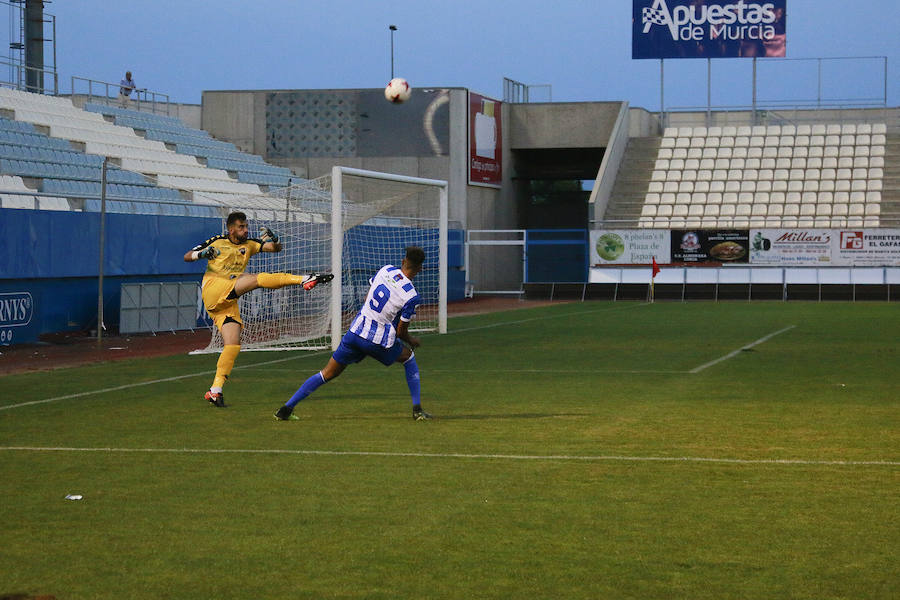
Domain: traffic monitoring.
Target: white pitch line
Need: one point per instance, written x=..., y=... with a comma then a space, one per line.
x=270, y=362
x=568, y=314
x=547, y=371
x=143, y=383
x=532, y=457
x=739, y=350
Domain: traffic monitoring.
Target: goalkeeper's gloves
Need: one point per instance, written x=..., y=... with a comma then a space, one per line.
x=268, y=235
x=209, y=253
x=317, y=278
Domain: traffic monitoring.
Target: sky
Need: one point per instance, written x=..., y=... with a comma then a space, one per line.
x=580, y=48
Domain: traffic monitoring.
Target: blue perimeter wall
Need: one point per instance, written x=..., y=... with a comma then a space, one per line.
x=48, y=271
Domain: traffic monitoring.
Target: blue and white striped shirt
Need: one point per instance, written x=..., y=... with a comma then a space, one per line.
x=391, y=299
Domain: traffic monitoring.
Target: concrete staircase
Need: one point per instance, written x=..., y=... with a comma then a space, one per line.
x=624, y=208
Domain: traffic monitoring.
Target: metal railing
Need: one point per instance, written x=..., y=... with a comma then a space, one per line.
x=18, y=78
x=76, y=202
x=759, y=108
x=107, y=92
x=786, y=114
x=516, y=92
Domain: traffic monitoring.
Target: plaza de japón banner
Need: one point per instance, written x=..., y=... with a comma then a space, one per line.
x=708, y=28
x=710, y=246
x=629, y=247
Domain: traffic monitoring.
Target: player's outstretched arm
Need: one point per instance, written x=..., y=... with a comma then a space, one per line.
x=208, y=253
x=403, y=334
x=269, y=240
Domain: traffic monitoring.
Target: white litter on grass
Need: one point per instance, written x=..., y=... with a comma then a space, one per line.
x=74, y=496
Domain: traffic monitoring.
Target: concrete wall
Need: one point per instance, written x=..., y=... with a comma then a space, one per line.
x=890, y=116
x=240, y=117
x=642, y=123
x=561, y=125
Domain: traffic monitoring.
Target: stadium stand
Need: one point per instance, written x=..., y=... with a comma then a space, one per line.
x=51, y=154
x=761, y=176
x=247, y=168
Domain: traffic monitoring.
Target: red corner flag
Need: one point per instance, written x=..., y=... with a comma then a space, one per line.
x=655, y=268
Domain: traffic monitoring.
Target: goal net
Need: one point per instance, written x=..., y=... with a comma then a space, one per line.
x=352, y=223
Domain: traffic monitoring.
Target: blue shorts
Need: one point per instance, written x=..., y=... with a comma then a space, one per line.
x=354, y=348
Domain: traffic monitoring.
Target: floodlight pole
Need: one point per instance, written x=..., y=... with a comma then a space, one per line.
x=102, y=244
x=662, y=99
x=393, y=28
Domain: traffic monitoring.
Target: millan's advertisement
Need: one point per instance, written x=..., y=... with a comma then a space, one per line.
x=708, y=28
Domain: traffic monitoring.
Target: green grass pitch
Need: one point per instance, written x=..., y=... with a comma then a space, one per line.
x=585, y=450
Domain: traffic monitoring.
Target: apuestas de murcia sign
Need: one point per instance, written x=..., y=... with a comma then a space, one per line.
x=738, y=21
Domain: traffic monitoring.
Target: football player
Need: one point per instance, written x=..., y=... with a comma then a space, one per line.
x=225, y=281
x=379, y=330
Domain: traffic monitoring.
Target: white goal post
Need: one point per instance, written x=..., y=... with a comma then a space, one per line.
x=338, y=175
x=350, y=223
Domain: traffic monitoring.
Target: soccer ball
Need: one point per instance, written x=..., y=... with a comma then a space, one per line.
x=397, y=90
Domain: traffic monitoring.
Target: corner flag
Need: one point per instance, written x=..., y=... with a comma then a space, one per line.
x=655, y=268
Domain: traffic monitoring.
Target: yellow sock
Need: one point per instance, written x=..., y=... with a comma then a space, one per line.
x=225, y=364
x=273, y=281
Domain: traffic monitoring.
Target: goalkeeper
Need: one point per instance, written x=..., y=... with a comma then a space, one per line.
x=225, y=281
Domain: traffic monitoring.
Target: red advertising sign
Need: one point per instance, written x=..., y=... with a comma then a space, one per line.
x=485, y=141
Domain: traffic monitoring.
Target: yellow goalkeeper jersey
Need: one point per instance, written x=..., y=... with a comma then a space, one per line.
x=232, y=259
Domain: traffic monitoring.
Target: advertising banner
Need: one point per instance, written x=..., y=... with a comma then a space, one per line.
x=629, y=247
x=485, y=141
x=16, y=310
x=866, y=247
x=710, y=246
x=795, y=247
x=708, y=29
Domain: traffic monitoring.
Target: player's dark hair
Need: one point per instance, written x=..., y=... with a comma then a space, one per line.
x=415, y=255
x=234, y=218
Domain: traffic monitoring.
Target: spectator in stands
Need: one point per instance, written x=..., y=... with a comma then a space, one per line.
x=126, y=86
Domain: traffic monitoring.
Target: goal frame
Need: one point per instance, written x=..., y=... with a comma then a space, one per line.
x=337, y=240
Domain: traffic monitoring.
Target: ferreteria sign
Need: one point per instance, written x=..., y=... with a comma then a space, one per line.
x=715, y=29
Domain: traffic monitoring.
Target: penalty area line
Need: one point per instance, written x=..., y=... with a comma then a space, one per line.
x=525, y=457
